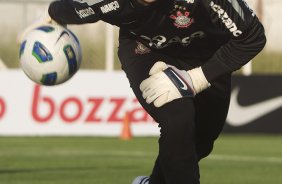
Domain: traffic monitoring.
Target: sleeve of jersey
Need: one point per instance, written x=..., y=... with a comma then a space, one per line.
x=73, y=11
x=247, y=37
x=91, y=11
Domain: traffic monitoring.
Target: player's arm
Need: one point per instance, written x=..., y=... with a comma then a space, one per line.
x=90, y=11
x=115, y=12
x=247, y=36
x=167, y=83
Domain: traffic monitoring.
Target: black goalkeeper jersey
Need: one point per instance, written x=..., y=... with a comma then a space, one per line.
x=225, y=34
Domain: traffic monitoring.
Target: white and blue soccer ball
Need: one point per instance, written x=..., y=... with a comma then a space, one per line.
x=50, y=54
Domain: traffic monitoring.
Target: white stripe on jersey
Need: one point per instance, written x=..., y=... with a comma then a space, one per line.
x=238, y=8
x=89, y=2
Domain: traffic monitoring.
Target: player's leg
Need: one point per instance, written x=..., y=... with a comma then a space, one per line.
x=211, y=111
x=177, y=161
x=177, y=152
x=136, y=70
x=157, y=175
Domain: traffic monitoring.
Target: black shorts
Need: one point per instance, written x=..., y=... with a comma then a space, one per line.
x=210, y=107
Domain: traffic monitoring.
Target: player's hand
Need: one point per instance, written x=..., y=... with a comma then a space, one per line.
x=167, y=83
x=44, y=19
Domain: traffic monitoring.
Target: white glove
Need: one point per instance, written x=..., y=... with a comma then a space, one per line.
x=167, y=83
x=42, y=20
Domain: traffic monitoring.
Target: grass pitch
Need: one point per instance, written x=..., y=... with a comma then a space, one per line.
x=236, y=159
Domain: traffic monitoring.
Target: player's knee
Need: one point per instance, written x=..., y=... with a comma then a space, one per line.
x=204, y=149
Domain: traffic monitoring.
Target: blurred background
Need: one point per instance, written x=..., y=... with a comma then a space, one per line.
x=17, y=14
x=86, y=131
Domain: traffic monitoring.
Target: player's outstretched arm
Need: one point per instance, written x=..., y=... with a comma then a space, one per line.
x=247, y=36
x=91, y=11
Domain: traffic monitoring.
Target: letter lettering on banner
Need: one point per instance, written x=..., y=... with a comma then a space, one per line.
x=2, y=108
x=118, y=103
x=96, y=104
x=35, y=106
x=75, y=115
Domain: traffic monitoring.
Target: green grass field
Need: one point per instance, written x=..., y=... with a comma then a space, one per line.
x=239, y=159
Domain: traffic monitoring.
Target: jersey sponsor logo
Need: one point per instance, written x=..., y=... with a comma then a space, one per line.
x=242, y=115
x=85, y=12
x=161, y=41
x=110, y=7
x=222, y=14
x=88, y=2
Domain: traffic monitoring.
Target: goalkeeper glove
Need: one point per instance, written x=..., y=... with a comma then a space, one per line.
x=167, y=83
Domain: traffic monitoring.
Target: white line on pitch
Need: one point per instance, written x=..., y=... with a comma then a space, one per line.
x=239, y=158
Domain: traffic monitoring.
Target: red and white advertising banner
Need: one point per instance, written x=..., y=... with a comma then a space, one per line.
x=94, y=103
x=91, y=103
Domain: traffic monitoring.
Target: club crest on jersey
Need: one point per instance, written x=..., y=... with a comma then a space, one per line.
x=182, y=20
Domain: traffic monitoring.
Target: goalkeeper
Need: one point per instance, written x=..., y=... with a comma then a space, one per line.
x=178, y=56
